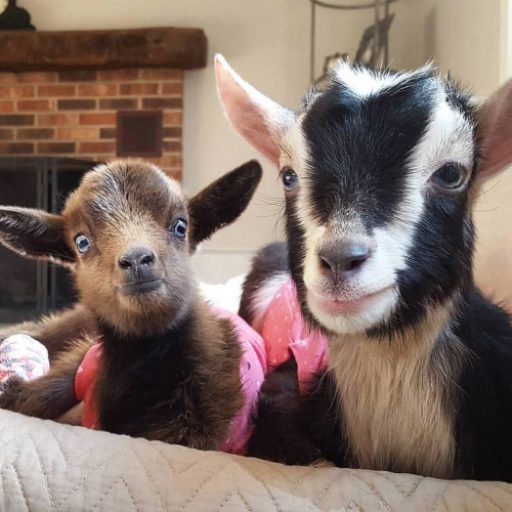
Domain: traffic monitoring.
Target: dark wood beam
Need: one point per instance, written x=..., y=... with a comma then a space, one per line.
x=181, y=48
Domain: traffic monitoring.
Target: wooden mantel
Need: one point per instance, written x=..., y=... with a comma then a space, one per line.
x=167, y=47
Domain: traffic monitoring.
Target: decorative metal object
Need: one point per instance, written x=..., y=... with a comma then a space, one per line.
x=13, y=17
x=373, y=47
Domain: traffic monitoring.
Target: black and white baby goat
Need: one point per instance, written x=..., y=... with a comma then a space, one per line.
x=381, y=171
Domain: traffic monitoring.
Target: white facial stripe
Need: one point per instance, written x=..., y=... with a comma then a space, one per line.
x=364, y=82
x=448, y=138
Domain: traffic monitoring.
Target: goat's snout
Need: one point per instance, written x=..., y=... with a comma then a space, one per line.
x=137, y=258
x=340, y=261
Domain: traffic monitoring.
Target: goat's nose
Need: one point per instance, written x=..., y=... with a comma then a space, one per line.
x=138, y=257
x=343, y=260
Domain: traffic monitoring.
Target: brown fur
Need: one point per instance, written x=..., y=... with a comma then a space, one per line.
x=56, y=331
x=169, y=368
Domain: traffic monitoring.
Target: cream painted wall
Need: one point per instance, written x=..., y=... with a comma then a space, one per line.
x=268, y=42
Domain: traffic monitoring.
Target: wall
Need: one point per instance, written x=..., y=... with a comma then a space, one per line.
x=267, y=41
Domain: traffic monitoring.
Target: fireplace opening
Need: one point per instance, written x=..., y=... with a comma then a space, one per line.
x=31, y=288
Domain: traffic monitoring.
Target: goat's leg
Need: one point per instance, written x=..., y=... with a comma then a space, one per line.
x=56, y=331
x=49, y=396
x=278, y=434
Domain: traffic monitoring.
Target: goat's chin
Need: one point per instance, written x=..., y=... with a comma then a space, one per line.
x=353, y=317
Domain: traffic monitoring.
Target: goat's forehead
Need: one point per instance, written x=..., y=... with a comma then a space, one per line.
x=363, y=114
x=111, y=191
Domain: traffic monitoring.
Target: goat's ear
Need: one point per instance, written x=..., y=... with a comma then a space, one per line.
x=495, y=131
x=261, y=121
x=35, y=234
x=222, y=202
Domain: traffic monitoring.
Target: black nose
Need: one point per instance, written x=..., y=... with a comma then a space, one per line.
x=343, y=260
x=138, y=257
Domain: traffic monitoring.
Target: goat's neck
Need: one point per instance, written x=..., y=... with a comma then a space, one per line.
x=177, y=336
x=395, y=393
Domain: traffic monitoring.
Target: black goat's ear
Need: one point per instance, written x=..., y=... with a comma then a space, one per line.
x=222, y=202
x=35, y=234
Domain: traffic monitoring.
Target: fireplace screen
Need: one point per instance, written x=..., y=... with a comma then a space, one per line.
x=30, y=288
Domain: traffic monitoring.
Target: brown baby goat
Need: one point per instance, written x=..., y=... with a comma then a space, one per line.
x=169, y=368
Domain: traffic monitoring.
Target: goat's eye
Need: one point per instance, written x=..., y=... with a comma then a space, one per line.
x=179, y=228
x=450, y=176
x=289, y=178
x=83, y=244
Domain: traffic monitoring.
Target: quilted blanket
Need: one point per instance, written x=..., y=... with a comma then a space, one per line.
x=46, y=466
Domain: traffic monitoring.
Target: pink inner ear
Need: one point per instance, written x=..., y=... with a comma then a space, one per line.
x=259, y=120
x=495, y=130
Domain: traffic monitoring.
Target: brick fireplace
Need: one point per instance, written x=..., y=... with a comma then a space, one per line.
x=75, y=113
x=69, y=100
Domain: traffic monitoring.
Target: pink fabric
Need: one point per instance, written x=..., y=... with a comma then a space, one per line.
x=23, y=357
x=84, y=380
x=253, y=369
x=252, y=374
x=285, y=333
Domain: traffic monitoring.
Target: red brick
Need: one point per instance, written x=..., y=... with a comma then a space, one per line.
x=8, y=78
x=99, y=118
x=173, y=118
x=50, y=148
x=34, y=133
x=77, y=133
x=57, y=90
x=104, y=158
x=77, y=104
x=162, y=103
x=16, y=120
x=138, y=89
x=37, y=77
x=173, y=132
x=35, y=105
x=162, y=74
x=77, y=76
x=6, y=106
x=16, y=148
x=97, y=147
x=121, y=75
x=57, y=119
x=6, y=134
x=97, y=90
x=172, y=146
x=173, y=173
x=173, y=89
x=169, y=161
x=108, y=133
x=118, y=103
x=16, y=91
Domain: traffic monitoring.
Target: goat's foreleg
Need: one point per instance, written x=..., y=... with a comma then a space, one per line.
x=56, y=331
x=49, y=396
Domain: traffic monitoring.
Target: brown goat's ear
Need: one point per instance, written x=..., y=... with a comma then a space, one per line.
x=35, y=234
x=495, y=131
x=222, y=202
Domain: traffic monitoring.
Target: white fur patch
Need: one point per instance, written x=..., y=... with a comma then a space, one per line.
x=264, y=296
x=365, y=82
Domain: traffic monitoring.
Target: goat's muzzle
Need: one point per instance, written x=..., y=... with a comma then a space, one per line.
x=138, y=268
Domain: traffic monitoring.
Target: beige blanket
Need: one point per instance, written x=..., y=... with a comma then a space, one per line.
x=47, y=466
